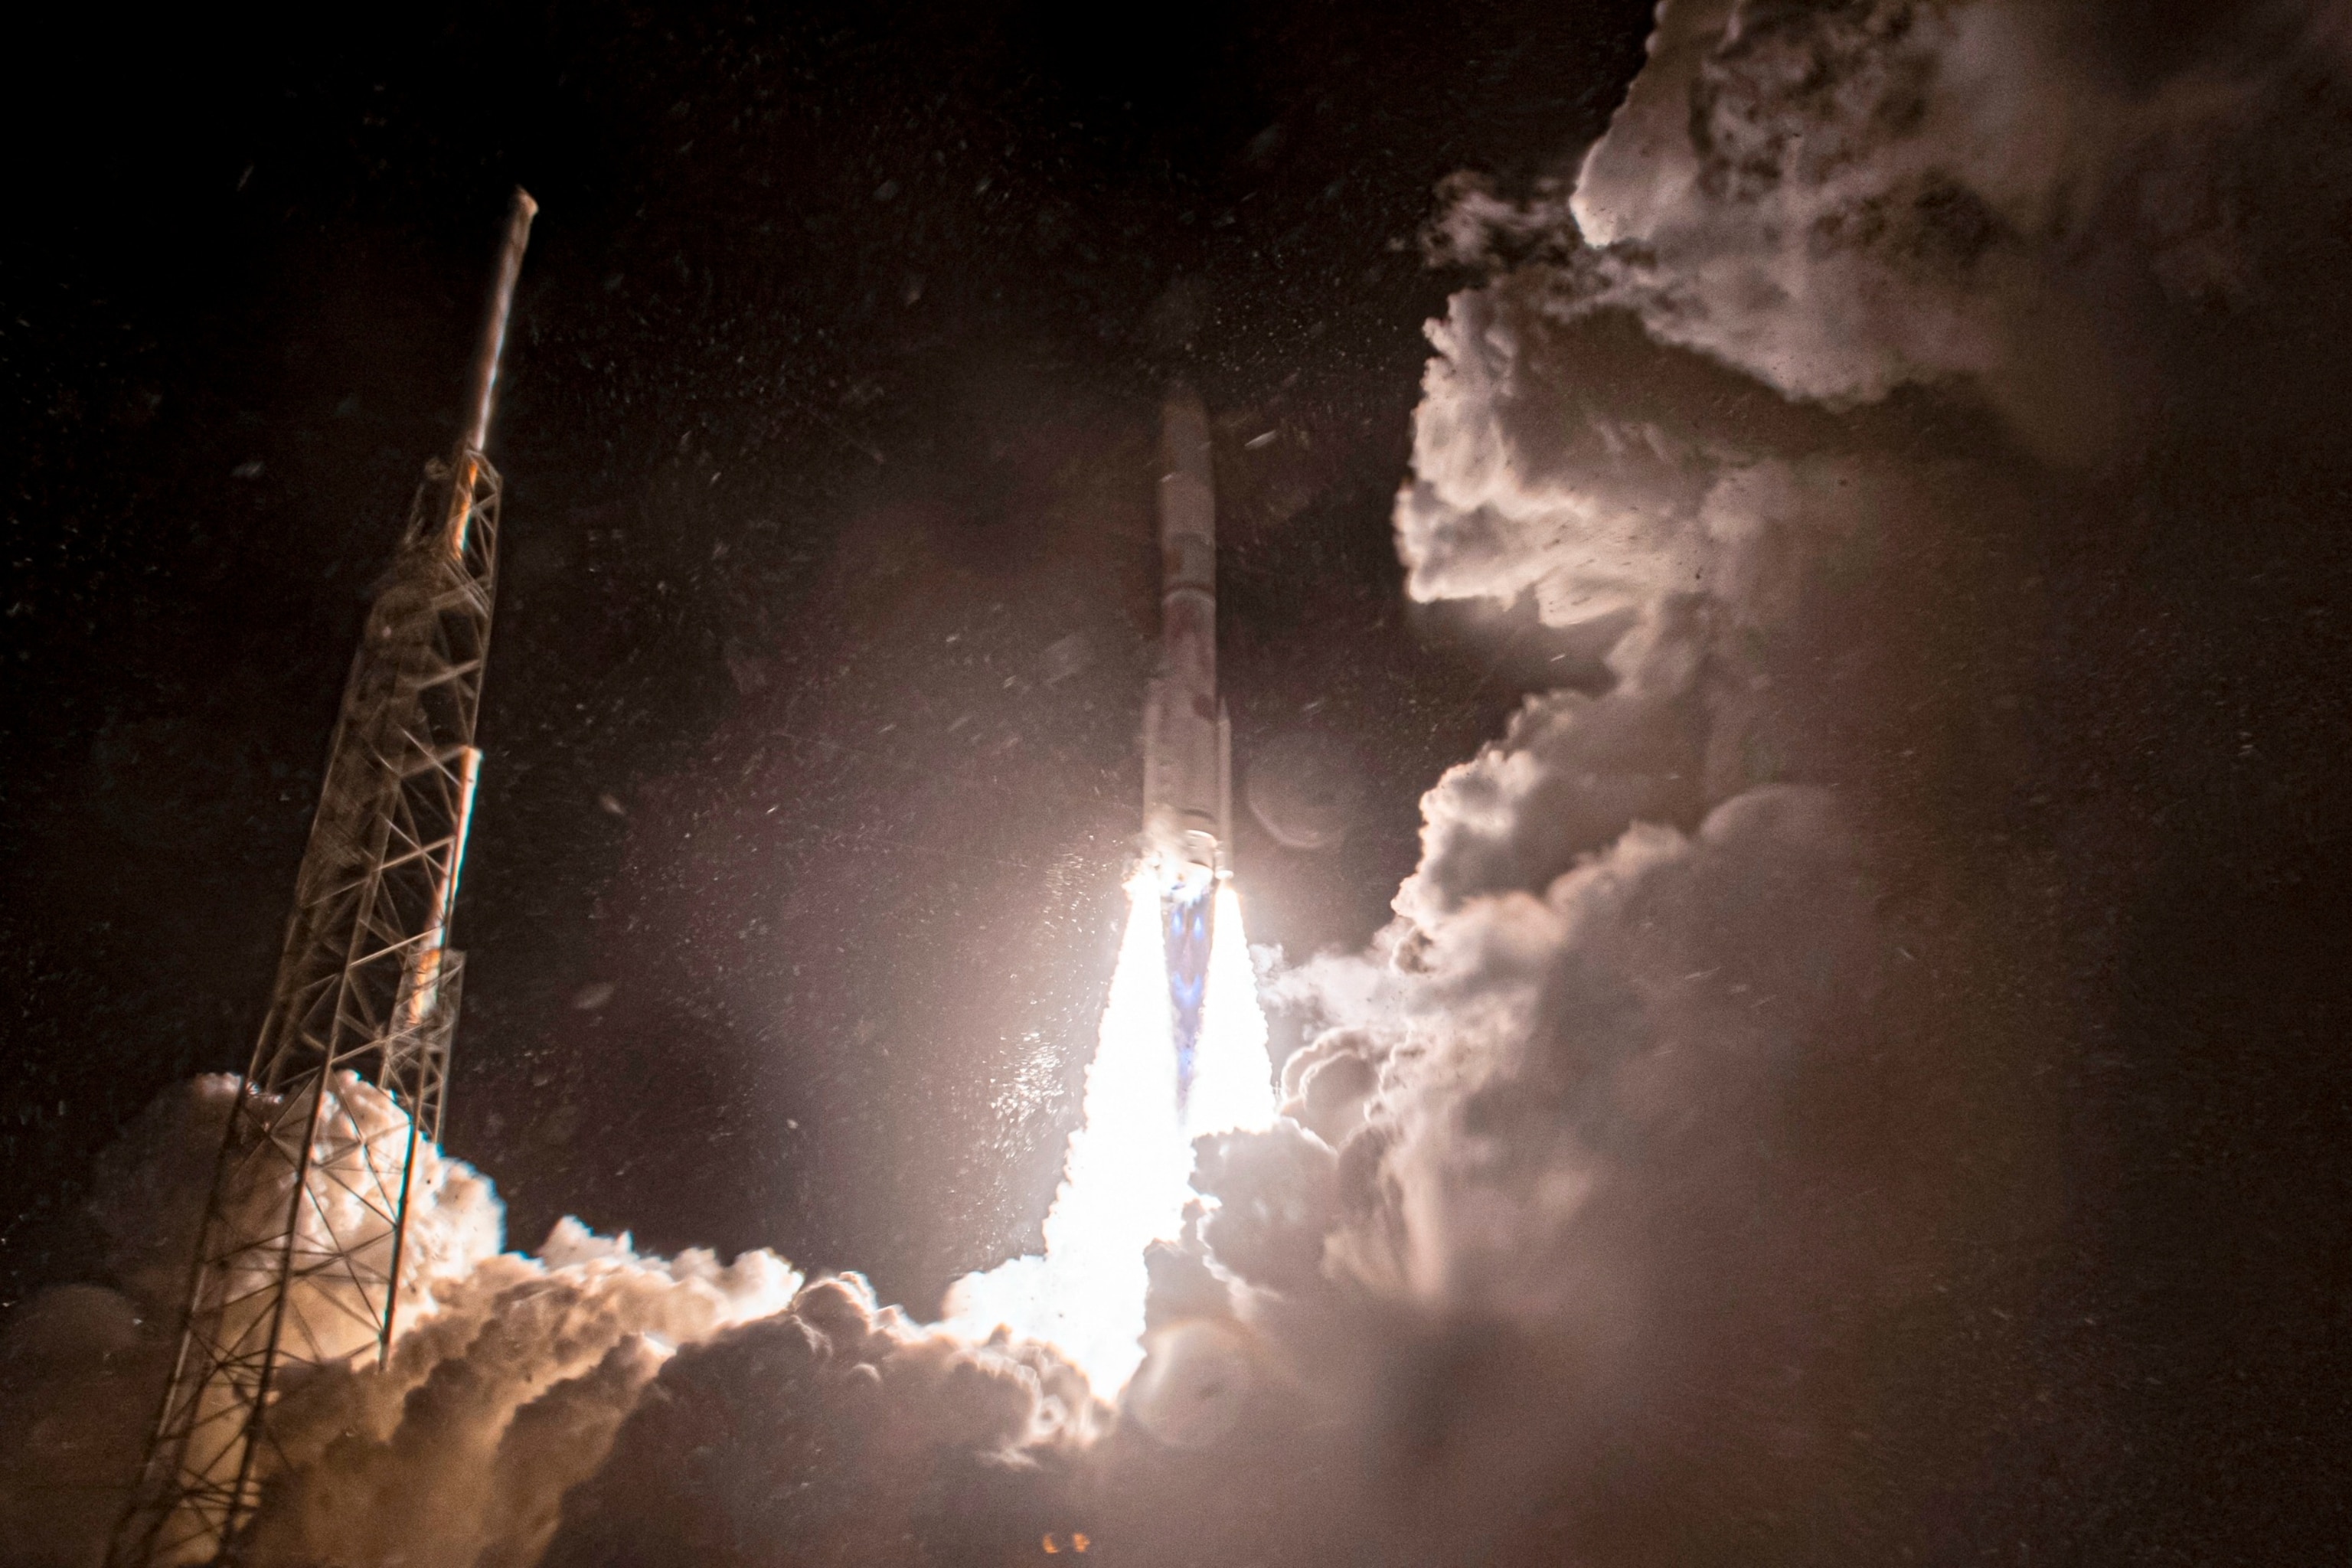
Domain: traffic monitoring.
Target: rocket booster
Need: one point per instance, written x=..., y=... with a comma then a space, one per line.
x=1187, y=738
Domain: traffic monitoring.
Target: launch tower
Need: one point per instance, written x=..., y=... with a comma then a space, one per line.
x=299, y=1257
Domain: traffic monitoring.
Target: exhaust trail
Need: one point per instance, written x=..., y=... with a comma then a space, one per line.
x=1123, y=1184
x=1129, y=1174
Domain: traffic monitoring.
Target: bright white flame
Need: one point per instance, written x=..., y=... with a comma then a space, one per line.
x=1129, y=1174
x=1233, y=1087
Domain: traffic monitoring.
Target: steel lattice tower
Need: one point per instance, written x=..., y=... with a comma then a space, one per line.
x=298, y=1259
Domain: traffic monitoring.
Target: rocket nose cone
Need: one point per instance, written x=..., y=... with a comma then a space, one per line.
x=1184, y=431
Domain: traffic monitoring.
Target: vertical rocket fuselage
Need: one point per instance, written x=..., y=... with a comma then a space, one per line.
x=1187, y=741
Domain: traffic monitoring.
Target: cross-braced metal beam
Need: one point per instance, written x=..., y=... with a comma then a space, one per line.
x=298, y=1262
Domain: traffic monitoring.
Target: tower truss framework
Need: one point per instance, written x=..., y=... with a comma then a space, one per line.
x=299, y=1258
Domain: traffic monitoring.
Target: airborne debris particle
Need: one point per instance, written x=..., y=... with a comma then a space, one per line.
x=1064, y=657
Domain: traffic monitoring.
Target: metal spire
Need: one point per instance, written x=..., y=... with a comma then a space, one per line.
x=297, y=1261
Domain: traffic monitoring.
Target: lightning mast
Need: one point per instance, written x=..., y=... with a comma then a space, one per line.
x=298, y=1260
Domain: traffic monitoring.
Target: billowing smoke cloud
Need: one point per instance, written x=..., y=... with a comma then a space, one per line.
x=1675, y=1179
x=495, y=1402
x=1840, y=200
x=507, y=1391
x=84, y=1367
x=838, y=1432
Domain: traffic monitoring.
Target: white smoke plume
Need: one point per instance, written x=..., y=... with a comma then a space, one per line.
x=561, y=1342
x=1674, y=1180
x=451, y=1450
x=149, y=1201
x=1840, y=200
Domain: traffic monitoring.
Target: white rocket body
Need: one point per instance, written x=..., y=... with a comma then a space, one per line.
x=1187, y=738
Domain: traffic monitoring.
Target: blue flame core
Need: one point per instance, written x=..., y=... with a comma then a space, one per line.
x=1186, y=912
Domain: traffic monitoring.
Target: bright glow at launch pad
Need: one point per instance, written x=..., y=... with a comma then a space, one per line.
x=1128, y=1174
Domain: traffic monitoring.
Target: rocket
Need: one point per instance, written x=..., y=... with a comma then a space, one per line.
x=1186, y=740
x=1187, y=735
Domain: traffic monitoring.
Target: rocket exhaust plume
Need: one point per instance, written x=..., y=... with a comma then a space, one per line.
x=1182, y=1048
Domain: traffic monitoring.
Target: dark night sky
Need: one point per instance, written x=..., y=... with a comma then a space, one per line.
x=830, y=401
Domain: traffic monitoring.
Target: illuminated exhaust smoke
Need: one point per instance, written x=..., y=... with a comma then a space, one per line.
x=1129, y=1174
